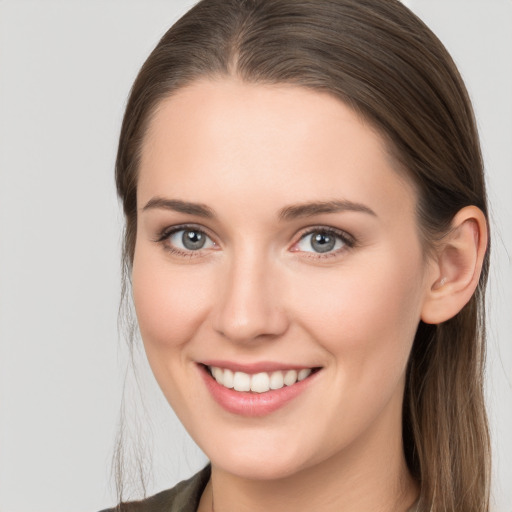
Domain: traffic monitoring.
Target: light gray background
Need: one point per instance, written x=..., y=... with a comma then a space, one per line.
x=65, y=71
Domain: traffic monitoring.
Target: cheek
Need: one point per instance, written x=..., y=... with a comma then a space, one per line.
x=366, y=315
x=168, y=301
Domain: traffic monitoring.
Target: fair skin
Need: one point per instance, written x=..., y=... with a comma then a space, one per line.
x=259, y=293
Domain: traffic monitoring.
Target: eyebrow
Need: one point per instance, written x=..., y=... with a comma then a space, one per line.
x=315, y=208
x=287, y=213
x=201, y=210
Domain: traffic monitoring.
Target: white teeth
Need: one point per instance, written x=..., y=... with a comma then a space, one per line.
x=276, y=380
x=217, y=374
x=290, y=377
x=241, y=381
x=305, y=372
x=258, y=382
x=228, y=379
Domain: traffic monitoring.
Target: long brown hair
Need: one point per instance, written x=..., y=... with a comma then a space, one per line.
x=380, y=59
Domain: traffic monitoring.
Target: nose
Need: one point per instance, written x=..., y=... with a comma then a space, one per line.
x=248, y=307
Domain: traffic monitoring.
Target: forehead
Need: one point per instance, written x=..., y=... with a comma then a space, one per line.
x=229, y=140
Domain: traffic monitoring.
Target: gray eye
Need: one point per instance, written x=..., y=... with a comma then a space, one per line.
x=193, y=240
x=190, y=240
x=320, y=242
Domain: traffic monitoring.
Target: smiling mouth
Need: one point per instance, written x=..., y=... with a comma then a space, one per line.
x=261, y=382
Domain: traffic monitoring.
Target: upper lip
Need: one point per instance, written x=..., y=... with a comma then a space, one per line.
x=256, y=367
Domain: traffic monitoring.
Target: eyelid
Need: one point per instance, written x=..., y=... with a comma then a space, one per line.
x=164, y=235
x=348, y=240
x=169, y=230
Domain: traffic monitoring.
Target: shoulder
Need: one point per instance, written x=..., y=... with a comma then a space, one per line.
x=183, y=497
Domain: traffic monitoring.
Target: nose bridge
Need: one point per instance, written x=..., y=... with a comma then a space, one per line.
x=248, y=306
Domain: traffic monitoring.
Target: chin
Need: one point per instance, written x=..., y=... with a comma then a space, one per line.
x=262, y=463
x=250, y=469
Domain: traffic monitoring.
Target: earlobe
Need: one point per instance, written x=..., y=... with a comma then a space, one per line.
x=457, y=266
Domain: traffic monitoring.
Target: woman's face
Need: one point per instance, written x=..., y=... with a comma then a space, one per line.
x=276, y=241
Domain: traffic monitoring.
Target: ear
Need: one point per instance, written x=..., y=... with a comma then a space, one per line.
x=456, y=267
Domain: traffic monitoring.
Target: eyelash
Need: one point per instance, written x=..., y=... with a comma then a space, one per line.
x=165, y=234
x=348, y=241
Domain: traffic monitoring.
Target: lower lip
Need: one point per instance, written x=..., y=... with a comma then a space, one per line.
x=253, y=404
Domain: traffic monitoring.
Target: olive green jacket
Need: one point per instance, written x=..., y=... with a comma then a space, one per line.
x=184, y=497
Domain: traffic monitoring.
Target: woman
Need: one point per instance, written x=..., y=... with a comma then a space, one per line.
x=307, y=242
